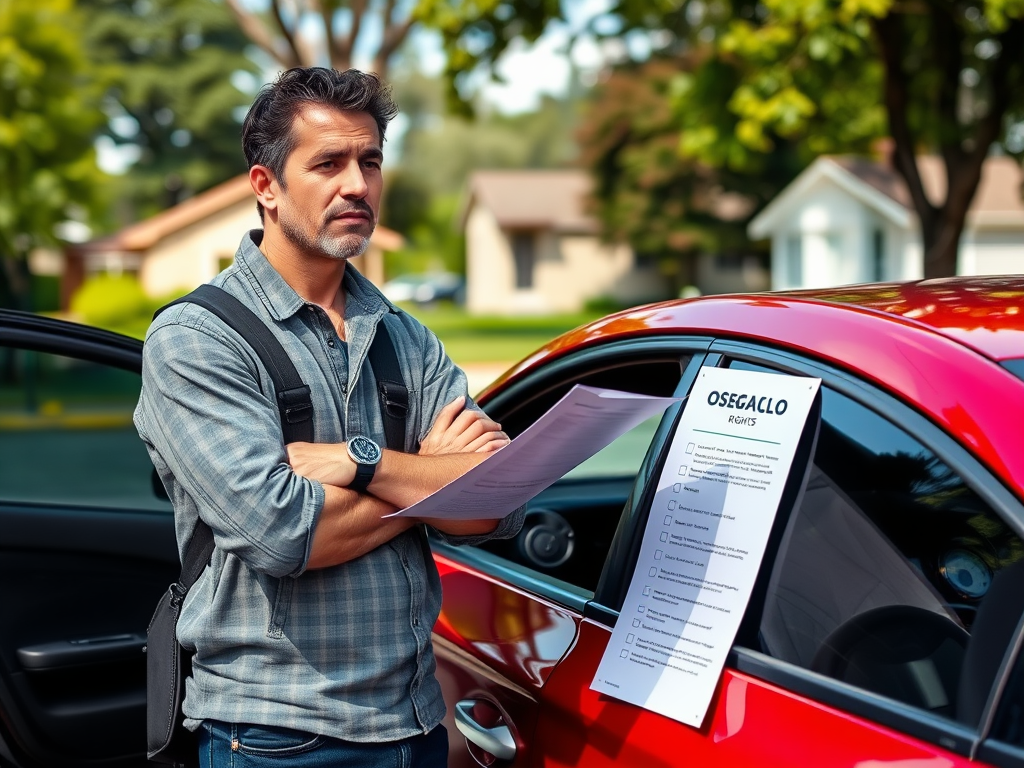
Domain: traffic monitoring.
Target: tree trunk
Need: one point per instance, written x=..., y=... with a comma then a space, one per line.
x=16, y=283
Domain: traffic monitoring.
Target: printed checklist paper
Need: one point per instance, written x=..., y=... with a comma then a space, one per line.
x=579, y=425
x=706, y=535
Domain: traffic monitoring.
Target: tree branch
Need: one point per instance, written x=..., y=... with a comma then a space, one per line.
x=342, y=46
x=889, y=30
x=395, y=33
x=254, y=29
x=949, y=59
x=287, y=34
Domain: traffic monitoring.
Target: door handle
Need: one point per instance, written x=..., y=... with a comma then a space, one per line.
x=497, y=740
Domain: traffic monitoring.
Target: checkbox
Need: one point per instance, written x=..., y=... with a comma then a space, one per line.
x=664, y=536
x=677, y=488
x=636, y=622
x=657, y=554
x=672, y=504
x=647, y=591
x=630, y=638
x=683, y=470
x=641, y=609
x=653, y=572
x=690, y=447
x=668, y=519
x=624, y=654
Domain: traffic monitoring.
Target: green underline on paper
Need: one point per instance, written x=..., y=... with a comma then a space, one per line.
x=738, y=437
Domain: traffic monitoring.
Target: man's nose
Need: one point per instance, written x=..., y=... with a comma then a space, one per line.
x=352, y=182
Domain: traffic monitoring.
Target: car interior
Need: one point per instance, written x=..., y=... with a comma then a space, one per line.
x=569, y=528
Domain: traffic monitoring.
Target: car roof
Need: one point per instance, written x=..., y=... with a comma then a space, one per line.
x=927, y=342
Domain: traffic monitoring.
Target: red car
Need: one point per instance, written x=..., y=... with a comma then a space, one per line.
x=883, y=629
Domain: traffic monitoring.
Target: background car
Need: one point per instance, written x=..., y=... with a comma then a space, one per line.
x=883, y=629
x=425, y=288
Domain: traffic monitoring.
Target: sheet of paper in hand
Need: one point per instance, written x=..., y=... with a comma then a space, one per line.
x=579, y=425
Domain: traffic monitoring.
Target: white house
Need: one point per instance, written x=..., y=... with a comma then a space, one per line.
x=188, y=244
x=531, y=247
x=850, y=220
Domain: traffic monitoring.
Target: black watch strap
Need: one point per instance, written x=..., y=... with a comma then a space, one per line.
x=364, y=474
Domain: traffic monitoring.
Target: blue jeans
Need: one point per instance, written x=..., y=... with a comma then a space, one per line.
x=223, y=745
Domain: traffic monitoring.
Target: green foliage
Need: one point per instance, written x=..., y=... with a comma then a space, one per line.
x=667, y=206
x=825, y=76
x=169, y=65
x=49, y=112
x=109, y=300
x=476, y=32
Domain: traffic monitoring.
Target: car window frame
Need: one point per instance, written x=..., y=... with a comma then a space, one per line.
x=59, y=337
x=536, y=384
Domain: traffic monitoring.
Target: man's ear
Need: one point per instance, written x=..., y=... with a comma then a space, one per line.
x=264, y=186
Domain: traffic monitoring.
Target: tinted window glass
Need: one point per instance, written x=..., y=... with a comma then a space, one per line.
x=66, y=434
x=885, y=568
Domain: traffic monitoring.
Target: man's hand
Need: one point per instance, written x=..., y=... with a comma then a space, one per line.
x=458, y=429
x=328, y=463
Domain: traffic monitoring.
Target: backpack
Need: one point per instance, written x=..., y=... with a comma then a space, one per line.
x=167, y=663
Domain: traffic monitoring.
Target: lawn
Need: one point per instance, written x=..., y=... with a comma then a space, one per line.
x=485, y=339
x=467, y=339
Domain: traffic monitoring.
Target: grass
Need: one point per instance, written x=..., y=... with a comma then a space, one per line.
x=467, y=338
x=487, y=339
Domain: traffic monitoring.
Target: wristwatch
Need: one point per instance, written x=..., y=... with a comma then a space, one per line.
x=366, y=455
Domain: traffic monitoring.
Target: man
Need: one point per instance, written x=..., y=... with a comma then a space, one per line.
x=311, y=625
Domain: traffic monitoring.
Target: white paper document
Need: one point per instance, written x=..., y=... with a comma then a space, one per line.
x=708, y=528
x=579, y=425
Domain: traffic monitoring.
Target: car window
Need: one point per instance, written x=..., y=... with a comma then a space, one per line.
x=569, y=528
x=885, y=569
x=620, y=459
x=66, y=434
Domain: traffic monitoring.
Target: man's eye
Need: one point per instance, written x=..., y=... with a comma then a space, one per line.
x=326, y=164
x=372, y=163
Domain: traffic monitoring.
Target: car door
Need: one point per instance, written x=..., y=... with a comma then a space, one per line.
x=86, y=546
x=868, y=560
x=513, y=609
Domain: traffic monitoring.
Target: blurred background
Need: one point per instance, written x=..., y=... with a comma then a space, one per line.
x=553, y=161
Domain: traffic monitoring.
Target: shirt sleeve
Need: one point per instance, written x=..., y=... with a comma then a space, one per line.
x=203, y=411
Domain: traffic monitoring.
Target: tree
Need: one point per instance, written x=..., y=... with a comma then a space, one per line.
x=666, y=206
x=49, y=115
x=288, y=35
x=937, y=75
x=171, y=67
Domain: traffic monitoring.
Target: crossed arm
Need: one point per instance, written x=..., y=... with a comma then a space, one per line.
x=350, y=523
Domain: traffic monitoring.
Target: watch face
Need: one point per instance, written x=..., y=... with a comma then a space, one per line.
x=363, y=450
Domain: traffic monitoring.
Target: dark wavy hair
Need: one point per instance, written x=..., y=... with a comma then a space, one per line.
x=267, y=137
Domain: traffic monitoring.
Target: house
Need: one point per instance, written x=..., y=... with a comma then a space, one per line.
x=850, y=220
x=531, y=247
x=186, y=245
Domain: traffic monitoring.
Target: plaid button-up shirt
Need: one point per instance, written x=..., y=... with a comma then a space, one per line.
x=342, y=651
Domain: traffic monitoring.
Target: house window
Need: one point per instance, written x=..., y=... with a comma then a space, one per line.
x=794, y=266
x=878, y=255
x=524, y=252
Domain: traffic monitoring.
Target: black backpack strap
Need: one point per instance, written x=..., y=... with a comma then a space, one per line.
x=293, y=397
x=391, y=389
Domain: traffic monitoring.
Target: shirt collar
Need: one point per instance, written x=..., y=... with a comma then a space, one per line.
x=281, y=300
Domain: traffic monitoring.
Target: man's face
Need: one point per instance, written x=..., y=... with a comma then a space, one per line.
x=330, y=193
